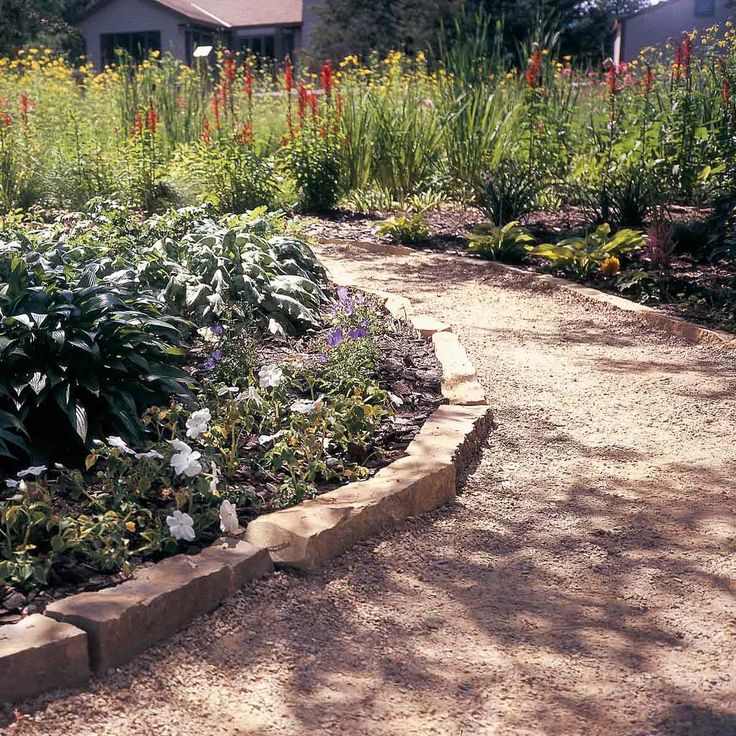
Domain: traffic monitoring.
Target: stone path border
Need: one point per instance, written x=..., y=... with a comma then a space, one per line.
x=689, y=331
x=92, y=632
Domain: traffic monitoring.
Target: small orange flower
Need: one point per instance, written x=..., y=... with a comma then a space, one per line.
x=610, y=266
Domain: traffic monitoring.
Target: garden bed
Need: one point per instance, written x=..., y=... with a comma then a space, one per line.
x=270, y=401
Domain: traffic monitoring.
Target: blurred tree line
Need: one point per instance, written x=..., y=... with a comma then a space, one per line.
x=586, y=27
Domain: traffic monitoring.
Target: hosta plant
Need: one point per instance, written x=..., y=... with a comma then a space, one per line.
x=507, y=243
x=582, y=255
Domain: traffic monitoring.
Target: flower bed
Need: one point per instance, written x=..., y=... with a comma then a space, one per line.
x=173, y=378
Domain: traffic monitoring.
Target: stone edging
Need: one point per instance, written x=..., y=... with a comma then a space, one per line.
x=689, y=331
x=88, y=633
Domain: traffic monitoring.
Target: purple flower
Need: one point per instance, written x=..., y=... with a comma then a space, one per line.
x=321, y=358
x=346, y=301
x=335, y=338
x=217, y=328
x=217, y=355
x=358, y=332
x=209, y=364
x=342, y=294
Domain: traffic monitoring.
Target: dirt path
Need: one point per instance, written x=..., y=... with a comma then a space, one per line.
x=582, y=585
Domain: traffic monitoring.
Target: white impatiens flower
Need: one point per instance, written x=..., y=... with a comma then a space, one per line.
x=305, y=406
x=33, y=470
x=12, y=483
x=229, y=518
x=270, y=376
x=198, y=423
x=251, y=394
x=119, y=444
x=184, y=461
x=181, y=526
x=264, y=439
x=153, y=454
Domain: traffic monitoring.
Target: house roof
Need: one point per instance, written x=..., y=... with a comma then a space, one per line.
x=231, y=13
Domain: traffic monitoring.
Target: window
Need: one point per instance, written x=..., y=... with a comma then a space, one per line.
x=705, y=8
x=137, y=45
x=198, y=37
x=260, y=45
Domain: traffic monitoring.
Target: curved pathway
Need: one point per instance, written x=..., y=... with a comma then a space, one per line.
x=582, y=585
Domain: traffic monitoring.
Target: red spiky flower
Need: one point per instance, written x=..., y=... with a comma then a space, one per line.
x=216, y=110
x=648, y=79
x=206, y=132
x=327, y=78
x=533, y=73
x=245, y=135
x=288, y=76
x=248, y=83
x=25, y=107
x=151, y=118
x=230, y=69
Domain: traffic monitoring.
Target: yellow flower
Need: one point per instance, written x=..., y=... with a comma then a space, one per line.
x=610, y=266
x=130, y=526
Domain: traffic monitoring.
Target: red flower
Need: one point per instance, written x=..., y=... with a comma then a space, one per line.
x=6, y=119
x=25, y=107
x=534, y=69
x=288, y=76
x=726, y=92
x=327, y=78
x=687, y=53
x=206, y=132
x=611, y=78
x=151, y=119
x=303, y=99
x=137, y=125
x=248, y=82
x=245, y=135
x=224, y=97
x=229, y=67
x=313, y=103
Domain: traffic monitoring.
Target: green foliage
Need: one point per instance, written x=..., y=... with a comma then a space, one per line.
x=80, y=360
x=232, y=176
x=507, y=243
x=580, y=256
x=508, y=192
x=408, y=229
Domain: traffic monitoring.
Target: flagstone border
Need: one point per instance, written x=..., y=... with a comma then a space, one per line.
x=91, y=632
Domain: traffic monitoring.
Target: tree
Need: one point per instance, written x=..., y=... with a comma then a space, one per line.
x=356, y=26
x=43, y=22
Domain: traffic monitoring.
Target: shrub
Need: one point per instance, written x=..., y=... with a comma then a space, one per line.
x=409, y=229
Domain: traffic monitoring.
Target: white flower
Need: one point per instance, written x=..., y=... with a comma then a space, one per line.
x=33, y=470
x=184, y=461
x=12, y=483
x=270, y=376
x=198, y=423
x=305, y=406
x=264, y=439
x=150, y=454
x=228, y=518
x=119, y=444
x=215, y=478
x=181, y=526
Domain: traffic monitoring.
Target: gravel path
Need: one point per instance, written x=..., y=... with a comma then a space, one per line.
x=583, y=583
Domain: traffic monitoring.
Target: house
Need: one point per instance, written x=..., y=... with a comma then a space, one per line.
x=667, y=20
x=271, y=28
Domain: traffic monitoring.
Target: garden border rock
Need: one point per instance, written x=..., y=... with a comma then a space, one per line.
x=91, y=632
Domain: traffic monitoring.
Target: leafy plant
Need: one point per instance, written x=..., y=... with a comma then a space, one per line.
x=507, y=243
x=508, y=192
x=580, y=256
x=410, y=228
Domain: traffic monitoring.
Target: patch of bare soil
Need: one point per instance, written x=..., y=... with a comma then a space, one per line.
x=582, y=585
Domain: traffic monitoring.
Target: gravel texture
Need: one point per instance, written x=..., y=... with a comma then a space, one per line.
x=583, y=584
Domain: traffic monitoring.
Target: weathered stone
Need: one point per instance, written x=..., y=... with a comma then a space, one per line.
x=246, y=561
x=459, y=384
x=306, y=536
x=122, y=621
x=427, y=326
x=453, y=434
x=39, y=654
